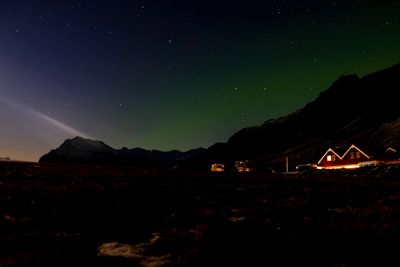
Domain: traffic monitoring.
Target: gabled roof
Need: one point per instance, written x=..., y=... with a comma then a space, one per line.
x=390, y=149
x=354, y=146
x=329, y=150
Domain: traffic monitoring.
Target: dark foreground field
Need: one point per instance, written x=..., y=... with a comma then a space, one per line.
x=54, y=215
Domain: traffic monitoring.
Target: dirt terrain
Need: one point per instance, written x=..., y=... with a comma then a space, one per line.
x=77, y=215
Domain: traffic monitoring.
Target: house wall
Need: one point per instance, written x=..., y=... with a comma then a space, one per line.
x=335, y=160
x=354, y=156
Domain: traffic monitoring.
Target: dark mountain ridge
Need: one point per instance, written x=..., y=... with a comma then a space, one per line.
x=363, y=111
x=353, y=110
x=83, y=150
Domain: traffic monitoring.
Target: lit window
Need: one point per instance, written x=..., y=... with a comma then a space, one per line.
x=333, y=157
x=352, y=155
x=358, y=154
x=329, y=158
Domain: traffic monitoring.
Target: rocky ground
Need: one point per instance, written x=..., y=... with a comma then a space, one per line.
x=75, y=215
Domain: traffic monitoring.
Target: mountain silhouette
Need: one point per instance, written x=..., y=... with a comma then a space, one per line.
x=353, y=110
x=357, y=110
x=83, y=150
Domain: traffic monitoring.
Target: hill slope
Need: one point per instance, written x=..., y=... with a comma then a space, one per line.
x=353, y=110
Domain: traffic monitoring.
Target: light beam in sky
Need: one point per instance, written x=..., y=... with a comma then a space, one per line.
x=58, y=124
x=53, y=122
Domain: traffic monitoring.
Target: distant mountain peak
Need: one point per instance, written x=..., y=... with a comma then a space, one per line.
x=80, y=143
x=84, y=150
x=79, y=139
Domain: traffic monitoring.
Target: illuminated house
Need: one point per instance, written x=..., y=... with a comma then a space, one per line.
x=217, y=167
x=391, y=156
x=353, y=158
x=244, y=166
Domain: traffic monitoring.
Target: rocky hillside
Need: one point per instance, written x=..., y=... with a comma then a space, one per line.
x=357, y=110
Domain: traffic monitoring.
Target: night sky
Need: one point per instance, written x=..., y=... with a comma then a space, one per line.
x=175, y=74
